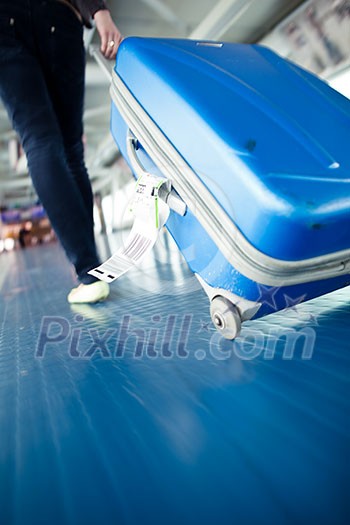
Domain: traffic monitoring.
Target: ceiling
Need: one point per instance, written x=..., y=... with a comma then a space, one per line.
x=230, y=20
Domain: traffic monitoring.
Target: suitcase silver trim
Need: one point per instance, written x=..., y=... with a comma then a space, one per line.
x=244, y=257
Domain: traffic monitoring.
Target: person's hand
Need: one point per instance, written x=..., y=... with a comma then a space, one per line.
x=109, y=33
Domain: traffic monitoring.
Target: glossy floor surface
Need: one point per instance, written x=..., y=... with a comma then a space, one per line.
x=135, y=411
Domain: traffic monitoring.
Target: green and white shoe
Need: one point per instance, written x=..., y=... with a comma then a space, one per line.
x=89, y=293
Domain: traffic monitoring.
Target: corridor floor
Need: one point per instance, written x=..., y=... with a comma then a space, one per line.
x=135, y=410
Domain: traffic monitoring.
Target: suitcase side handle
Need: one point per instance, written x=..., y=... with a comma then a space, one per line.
x=172, y=199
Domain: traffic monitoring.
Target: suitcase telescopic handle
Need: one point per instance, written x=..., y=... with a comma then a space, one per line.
x=172, y=199
x=105, y=65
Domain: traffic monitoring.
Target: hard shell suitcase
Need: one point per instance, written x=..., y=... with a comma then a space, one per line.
x=257, y=153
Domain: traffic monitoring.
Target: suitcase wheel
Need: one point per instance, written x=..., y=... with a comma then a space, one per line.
x=225, y=317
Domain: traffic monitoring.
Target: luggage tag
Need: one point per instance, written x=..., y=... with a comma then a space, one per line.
x=151, y=213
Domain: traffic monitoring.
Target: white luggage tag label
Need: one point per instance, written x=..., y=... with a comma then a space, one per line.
x=151, y=213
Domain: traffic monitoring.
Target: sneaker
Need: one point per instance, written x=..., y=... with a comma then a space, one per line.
x=89, y=293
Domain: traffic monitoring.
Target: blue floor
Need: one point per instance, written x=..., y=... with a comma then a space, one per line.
x=135, y=411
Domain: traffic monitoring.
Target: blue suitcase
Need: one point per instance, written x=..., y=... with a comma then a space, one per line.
x=257, y=153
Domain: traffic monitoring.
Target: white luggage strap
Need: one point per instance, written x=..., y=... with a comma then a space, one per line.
x=150, y=214
x=150, y=205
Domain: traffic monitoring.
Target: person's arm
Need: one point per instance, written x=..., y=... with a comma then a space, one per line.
x=110, y=35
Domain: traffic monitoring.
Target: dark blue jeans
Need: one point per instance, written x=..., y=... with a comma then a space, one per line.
x=42, y=64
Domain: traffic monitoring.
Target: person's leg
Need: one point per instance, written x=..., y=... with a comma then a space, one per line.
x=59, y=38
x=24, y=92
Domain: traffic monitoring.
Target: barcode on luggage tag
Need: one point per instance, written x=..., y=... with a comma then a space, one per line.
x=137, y=247
x=150, y=215
x=124, y=259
